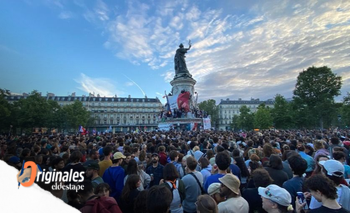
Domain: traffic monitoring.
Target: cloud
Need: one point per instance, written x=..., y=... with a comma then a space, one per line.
x=65, y=15
x=101, y=86
x=255, y=52
x=168, y=76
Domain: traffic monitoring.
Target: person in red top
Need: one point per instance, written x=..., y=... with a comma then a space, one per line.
x=162, y=155
x=94, y=203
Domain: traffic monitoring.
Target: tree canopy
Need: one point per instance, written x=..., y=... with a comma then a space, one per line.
x=315, y=90
x=210, y=107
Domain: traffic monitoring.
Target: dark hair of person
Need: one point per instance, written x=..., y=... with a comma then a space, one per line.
x=130, y=185
x=107, y=150
x=297, y=164
x=191, y=163
x=335, y=141
x=92, y=152
x=101, y=187
x=287, y=154
x=222, y=160
x=180, y=157
x=142, y=156
x=267, y=150
x=323, y=184
x=173, y=154
x=204, y=162
x=338, y=155
x=242, y=166
x=261, y=178
x=140, y=205
x=132, y=167
x=75, y=157
x=210, y=154
x=253, y=165
x=236, y=153
x=275, y=162
x=159, y=199
x=56, y=161
x=170, y=172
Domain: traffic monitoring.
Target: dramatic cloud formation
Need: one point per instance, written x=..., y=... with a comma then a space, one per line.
x=241, y=49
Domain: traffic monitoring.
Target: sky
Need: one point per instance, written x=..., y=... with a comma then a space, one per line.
x=240, y=48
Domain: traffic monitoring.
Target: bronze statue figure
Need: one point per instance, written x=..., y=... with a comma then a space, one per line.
x=179, y=60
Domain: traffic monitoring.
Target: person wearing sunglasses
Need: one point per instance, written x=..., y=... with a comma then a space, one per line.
x=275, y=199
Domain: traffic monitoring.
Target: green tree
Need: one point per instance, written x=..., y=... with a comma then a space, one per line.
x=210, y=107
x=263, y=118
x=234, y=123
x=245, y=119
x=6, y=111
x=32, y=111
x=345, y=111
x=56, y=115
x=76, y=115
x=282, y=113
x=315, y=89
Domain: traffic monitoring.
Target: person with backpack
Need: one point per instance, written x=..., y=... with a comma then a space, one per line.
x=177, y=187
x=94, y=203
x=193, y=185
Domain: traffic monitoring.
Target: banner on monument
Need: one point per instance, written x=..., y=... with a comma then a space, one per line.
x=173, y=102
x=206, y=123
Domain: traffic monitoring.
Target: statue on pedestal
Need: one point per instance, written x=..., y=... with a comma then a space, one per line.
x=180, y=63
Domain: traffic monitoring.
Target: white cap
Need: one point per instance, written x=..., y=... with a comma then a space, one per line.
x=333, y=167
x=276, y=194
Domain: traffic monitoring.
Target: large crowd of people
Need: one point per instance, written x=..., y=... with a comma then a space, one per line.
x=203, y=171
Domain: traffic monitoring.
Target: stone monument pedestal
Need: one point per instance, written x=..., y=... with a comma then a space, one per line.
x=182, y=83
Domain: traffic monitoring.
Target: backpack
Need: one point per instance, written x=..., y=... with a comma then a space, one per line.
x=177, y=199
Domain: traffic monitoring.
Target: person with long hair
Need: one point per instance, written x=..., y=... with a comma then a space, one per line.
x=175, y=185
x=260, y=178
x=275, y=169
x=140, y=205
x=129, y=193
x=134, y=169
x=242, y=166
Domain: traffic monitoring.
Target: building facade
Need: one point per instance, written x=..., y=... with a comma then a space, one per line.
x=123, y=114
x=228, y=108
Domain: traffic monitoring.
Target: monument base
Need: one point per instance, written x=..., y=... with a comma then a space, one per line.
x=182, y=83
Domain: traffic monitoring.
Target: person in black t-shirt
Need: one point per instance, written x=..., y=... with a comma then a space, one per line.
x=324, y=191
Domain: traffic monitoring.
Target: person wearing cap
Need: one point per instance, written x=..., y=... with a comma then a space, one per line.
x=214, y=192
x=155, y=170
x=275, y=199
x=325, y=192
x=115, y=175
x=334, y=170
x=230, y=190
x=206, y=204
x=92, y=173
